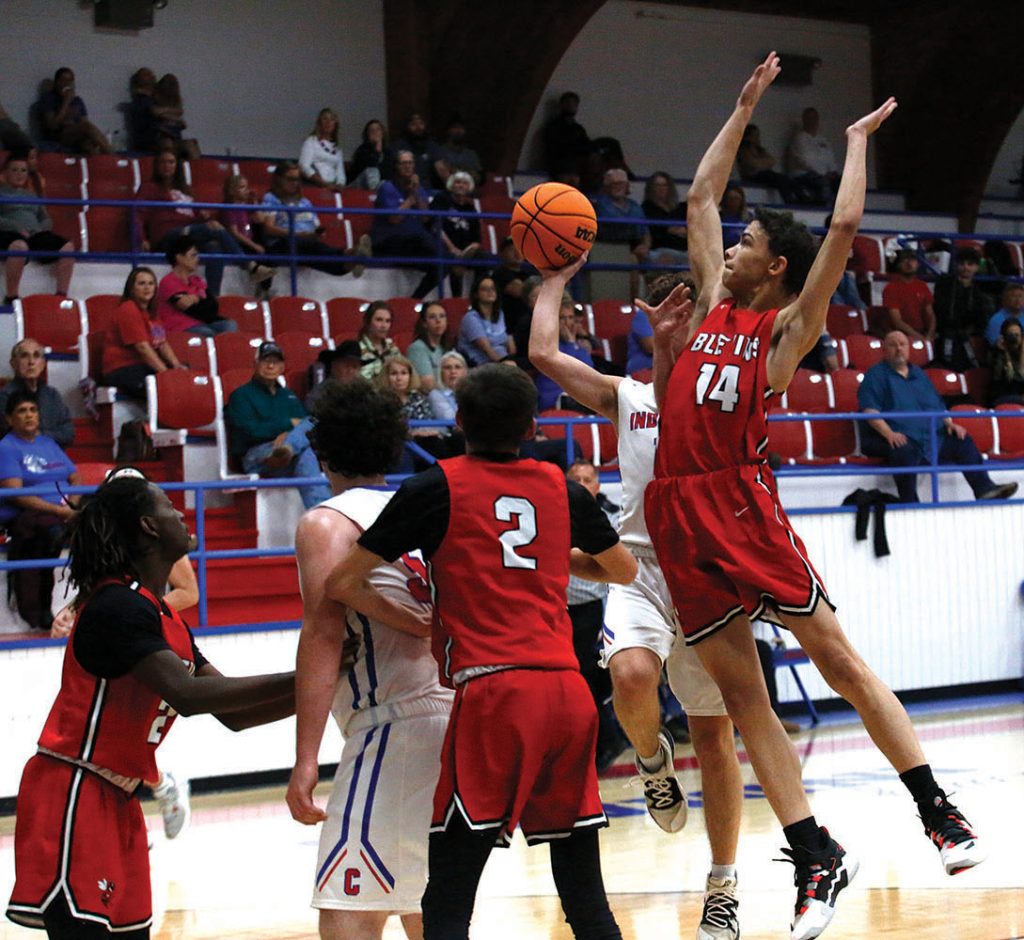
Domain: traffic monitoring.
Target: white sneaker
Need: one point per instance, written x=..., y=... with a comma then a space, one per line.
x=174, y=805
x=665, y=799
x=720, y=920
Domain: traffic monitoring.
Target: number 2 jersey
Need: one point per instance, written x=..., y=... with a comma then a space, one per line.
x=716, y=405
x=496, y=531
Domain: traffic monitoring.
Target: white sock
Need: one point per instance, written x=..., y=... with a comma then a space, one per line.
x=723, y=871
x=654, y=763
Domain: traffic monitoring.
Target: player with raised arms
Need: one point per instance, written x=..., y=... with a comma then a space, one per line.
x=641, y=632
x=500, y=535
x=390, y=706
x=131, y=665
x=725, y=545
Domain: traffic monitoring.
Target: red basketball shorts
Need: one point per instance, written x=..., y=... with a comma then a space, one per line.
x=79, y=835
x=726, y=547
x=519, y=751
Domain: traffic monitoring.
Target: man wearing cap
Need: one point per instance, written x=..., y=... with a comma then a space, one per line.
x=268, y=427
x=339, y=365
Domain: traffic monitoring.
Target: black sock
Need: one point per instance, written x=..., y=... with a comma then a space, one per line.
x=806, y=834
x=922, y=786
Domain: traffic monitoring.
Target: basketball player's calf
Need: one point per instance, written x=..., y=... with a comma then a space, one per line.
x=365, y=925
x=889, y=726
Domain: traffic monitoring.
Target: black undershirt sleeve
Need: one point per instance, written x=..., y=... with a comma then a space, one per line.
x=591, y=530
x=117, y=629
x=415, y=517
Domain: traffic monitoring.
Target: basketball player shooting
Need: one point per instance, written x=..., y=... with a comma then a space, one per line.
x=721, y=535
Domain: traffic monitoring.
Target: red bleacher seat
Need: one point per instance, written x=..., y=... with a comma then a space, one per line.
x=608, y=441
x=356, y=224
x=63, y=175
x=108, y=227
x=842, y=321
x=642, y=375
x=920, y=352
x=868, y=256
x=100, y=309
x=832, y=440
x=300, y=349
x=56, y=322
x=586, y=435
x=333, y=223
x=298, y=381
x=183, y=400
x=982, y=429
x=112, y=169
x=612, y=321
x=864, y=351
x=947, y=383
x=92, y=362
x=145, y=164
x=456, y=307
x=208, y=170
x=93, y=473
x=977, y=384
x=879, y=320
x=1011, y=431
x=192, y=351
x=495, y=200
x=232, y=379
x=296, y=315
x=405, y=311
x=495, y=185
x=250, y=315
x=345, y=315
x=1016, y=255
x=809, y=391
x=789, y=439
x=236, y=351
x=845, y=383
x=403, y=339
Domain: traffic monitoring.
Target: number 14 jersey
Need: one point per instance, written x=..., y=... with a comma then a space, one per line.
x=716, y=405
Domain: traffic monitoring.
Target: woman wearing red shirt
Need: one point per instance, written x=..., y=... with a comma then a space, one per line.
x=136, y=342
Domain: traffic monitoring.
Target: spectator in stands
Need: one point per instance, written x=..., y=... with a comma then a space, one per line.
x=1012, y=308
x=908, y=300
x=36, y=180
x=28, y=227
x=143, y=124
x=566, y=142
x=398, y=376
x=286, y=190
x=549, y=392
x=639, y=343
x=661, y=204
x=614, y=202
x=431, y=343
x=35, y=524
x=734, y=214
x=962, y=310
x=442, y=398
x=1006, y=386
x=520, y=333
x=65, y=118
x=245, y=225
x=401, y=234
x=268, y=428
x=896, y=384
x=812, y=162
x=459, y=233
x=135, y=344
x=321, y=159
x=12, y=137
x=184, y=302
x=28, y=362
x=757, y=166
x=824, y=356
x=375, y=344
x=169, y=112
x=482, y=334
x=340, y=365
x=997, y=265
x=456, y=156
x=373, y=160
x=509, y=276
x=426, y=151
x=161, y=228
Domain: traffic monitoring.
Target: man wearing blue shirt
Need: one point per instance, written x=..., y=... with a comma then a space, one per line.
x=895, y=384
x=1012, y=309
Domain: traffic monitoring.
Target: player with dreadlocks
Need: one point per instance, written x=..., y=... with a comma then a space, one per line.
x=130, y=666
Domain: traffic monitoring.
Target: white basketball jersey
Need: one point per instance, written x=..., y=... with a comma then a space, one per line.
x=392, y=668
x=638, y=441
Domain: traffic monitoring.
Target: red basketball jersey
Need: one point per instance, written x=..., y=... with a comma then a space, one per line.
x=716, y=405
x=500, y=573
x=117, y=723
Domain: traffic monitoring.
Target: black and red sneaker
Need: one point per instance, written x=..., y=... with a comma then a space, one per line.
x=952, y=835
x=819, y=877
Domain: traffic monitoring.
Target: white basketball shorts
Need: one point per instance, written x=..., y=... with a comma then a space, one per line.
x=373, y=845
x=641, y=614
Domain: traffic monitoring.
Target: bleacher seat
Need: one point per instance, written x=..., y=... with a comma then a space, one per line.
x=809, y=391
x=334, y=233
x=232, y=379
x=403, y=339
x=93, y=472
x=144, y=162
x=64, y=175
x=982, y=429
x=55, y=322
x=864, y=351
x=496, y=184
x=298, y=381
x=90, y=355
x=179, y=399
x=250, y=315
x=456, y=308
x=612, y=321
x=297, y=315
x=108, y=228
x=1016, y=255
x=300, y=348
x=842, y=321
x=236, y=351
x=356, y=224
x=920, y=353
x=345, y=315
x=867, y=256
x=114, y=169
x=208, y=170
x=405, y=311
x=1011, y=431
x=585, y=435
x=978, y=380
x=608, y=441
x=791, y=440
x=948, y=384
x=832, y=440
x=192, y=351
x=100, y=310
x=879, y=320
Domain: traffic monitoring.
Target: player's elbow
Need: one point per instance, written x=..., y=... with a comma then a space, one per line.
x=233, y=722
x=845, y=223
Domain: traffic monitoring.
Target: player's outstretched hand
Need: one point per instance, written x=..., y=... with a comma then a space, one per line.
x=763, y=76
x=671, y=317
x=870, y=123
x=567, y=273
x=300, y=795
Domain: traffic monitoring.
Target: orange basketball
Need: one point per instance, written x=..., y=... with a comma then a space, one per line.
x=552, y=225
